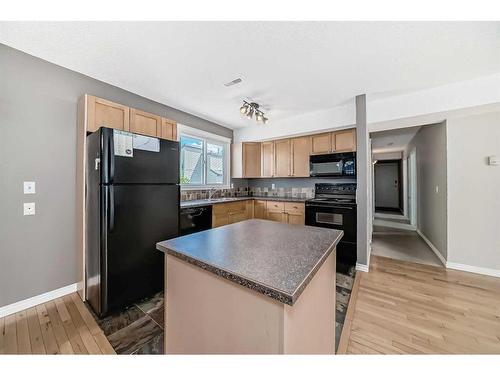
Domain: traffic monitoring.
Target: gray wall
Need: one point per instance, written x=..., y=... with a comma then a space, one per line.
x=38, y=143
x=474, y=191
x=430, y=144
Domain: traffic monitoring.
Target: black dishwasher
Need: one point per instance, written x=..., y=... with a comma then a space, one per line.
x=195, y=219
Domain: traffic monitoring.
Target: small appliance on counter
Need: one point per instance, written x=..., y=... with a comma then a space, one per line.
x=334, y=206
x=132, y=202
x=339, y=165
x=195, y=219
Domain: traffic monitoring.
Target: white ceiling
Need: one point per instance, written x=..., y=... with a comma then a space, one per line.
x=392, y=140
x=291, y=68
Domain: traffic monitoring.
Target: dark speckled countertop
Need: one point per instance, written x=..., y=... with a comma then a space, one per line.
x=208, y=202
x=272, y=258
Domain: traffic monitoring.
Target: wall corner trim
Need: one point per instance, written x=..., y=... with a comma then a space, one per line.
x=37, y=300
x=362, y=267
x=474, y=269
x=433, y=248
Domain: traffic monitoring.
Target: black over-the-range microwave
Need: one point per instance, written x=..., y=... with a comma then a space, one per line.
x=341, y=165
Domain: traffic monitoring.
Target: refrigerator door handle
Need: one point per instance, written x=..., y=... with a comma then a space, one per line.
x=111, y=224
x=111, y=157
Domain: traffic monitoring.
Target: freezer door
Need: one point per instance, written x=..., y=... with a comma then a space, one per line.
x=138, y=217
x=128, y=158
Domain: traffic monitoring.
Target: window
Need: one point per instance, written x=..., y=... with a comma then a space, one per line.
x=204, y=159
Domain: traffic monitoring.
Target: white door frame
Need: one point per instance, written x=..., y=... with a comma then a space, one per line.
x=413, y=193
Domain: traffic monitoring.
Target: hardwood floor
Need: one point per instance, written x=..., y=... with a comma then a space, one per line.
x=61, y=326
x=409, y=308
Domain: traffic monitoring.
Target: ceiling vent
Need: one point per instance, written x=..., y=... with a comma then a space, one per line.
x=233, y=82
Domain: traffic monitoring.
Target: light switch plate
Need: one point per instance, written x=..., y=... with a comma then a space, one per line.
x=29, y=208
x=29, y=187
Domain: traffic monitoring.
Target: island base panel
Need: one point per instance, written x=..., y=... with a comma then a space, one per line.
x=207, y=314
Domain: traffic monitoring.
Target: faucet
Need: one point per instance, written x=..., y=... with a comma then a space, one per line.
x=211, y=192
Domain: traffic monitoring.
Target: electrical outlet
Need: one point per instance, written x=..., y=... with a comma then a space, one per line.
x=437, y=189
x=273, y=186
x=29, y=187
x=29, y=208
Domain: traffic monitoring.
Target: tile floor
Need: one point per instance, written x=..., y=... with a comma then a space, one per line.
x=138, y=329
x=345, y=280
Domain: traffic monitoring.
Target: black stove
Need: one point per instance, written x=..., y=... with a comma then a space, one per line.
x=334, y=206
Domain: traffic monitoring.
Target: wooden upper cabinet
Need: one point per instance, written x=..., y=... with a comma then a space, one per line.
x=321, y=143
x=301, y=149
x=251, y=159
x=168, y=129
x=144, y=123
x=282, y=158
x=344, y=140
x=103, y=113
x=267, y=159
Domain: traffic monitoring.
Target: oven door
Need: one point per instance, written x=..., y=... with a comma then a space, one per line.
x=334, y=217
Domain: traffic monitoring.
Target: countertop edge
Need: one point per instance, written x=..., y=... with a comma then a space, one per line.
x=254, y=285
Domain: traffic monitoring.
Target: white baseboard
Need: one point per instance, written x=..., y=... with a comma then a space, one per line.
x=392, y=224
x=433, y=248
x=473, y=269
x=362, y=267
x=36, y=300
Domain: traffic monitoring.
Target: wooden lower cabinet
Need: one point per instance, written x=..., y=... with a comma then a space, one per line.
x=276, y=216
x=233, y=212
x=295, y=213
x=259, y=209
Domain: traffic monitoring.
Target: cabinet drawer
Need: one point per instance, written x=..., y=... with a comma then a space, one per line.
x=275, y=206
x=293, y=207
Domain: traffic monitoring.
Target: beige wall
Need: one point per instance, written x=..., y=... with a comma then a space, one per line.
x=430, y=144
x=474, y=191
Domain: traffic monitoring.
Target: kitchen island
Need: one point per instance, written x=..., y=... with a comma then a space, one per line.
x=253, y=287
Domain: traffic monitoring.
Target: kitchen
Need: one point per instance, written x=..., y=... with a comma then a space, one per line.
x=127, y=172
x=214, y=208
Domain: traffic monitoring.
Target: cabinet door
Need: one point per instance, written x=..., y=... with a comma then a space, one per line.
x=251, y=159
x=276, y=216
x=237, y=216
x=295, y=218
x=168, y=129
x=344, y=140
x=282, y=157
x=144, y=123
x=218, y=220
x=101, y=112
x=267, y=150
x=301, y=149
x=259, y=209
x=321, y=143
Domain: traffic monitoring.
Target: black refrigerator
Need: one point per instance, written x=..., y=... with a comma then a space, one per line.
x=132, y=202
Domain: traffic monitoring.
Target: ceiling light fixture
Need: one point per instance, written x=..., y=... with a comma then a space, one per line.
x=249, y=109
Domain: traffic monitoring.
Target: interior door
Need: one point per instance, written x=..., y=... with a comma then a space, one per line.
x=139, y=216
x=387, y=185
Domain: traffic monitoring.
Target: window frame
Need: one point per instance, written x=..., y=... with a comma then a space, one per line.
x=183, y=130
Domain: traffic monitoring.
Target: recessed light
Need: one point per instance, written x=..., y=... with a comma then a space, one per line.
x=233, y=82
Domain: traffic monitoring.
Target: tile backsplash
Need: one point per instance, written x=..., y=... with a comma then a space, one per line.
x=282, y=192
x=190, y=195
